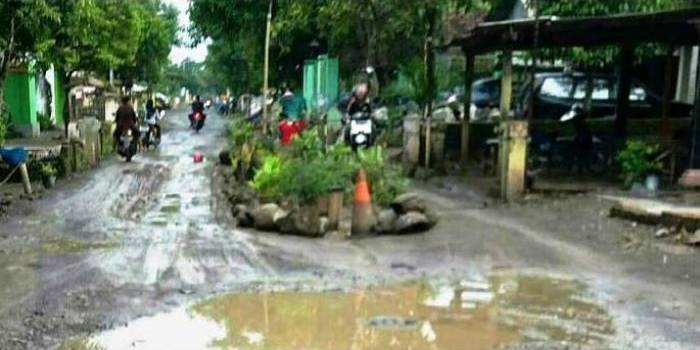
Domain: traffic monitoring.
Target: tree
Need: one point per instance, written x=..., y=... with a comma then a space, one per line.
x=229, y=66
x=590, y=58
x=20, y=38
x=158, y=35
x=381, y=33
x=93, y=36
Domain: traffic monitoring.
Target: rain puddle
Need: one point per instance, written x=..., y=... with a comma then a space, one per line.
x=503, y=312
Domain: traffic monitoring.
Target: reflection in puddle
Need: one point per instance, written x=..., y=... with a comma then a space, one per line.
x=504, y=311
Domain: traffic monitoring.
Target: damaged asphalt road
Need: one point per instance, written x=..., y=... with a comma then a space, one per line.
x=109, y=260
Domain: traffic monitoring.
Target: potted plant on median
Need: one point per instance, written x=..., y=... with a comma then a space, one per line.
x=48, y=175
x=639, y=162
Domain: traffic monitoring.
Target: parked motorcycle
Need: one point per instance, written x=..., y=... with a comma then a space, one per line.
x=127, y=145
x=550, y=151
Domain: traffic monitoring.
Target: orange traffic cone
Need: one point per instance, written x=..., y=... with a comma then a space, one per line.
x=363, y=219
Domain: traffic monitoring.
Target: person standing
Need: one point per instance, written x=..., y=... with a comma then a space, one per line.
x=293, y=106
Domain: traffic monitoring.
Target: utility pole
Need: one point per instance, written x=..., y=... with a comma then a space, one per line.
x=266, y=70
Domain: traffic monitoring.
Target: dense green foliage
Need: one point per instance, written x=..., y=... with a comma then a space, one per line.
x=4, y=121
x=599, y=57
x=248, y=148
x=158, y=34
x=22, y=35
x=381, y=33
x=637, y=160
x=132, y=37
x=388, y=34
x=306, y=170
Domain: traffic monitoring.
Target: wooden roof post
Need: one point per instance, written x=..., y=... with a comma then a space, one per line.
x=695, y=134
x=467, y=100
x=624, y=83
x=665, y=129
x=506, y=98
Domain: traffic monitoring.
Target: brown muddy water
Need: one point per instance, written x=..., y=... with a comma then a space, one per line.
x=501, y=312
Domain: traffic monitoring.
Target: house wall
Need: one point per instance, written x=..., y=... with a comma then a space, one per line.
x=59, y=97
x=20, y=97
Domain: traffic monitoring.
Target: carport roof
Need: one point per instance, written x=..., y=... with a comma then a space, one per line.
x=678, y=27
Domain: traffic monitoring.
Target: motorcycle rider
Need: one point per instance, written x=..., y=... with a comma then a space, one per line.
x=197, y=106
x=358, y=103
x=125, y=119
x=152, y=117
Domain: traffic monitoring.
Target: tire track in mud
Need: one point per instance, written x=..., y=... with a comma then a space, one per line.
x=145, y=183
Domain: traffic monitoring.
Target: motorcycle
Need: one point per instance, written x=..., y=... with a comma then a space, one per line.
x=150, y=131
x=150, y=135
x=361, y=130
x=198, y=121
x=127, y=146
x=551, y=151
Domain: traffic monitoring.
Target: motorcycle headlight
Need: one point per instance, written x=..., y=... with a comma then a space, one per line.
x=360, y=138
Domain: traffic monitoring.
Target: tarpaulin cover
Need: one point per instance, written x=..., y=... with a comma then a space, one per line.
x=13, y=156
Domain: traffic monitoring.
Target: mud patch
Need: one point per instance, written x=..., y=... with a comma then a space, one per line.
x=18, y=276
x=69, y=246
x=145, y=184
x=500, y=312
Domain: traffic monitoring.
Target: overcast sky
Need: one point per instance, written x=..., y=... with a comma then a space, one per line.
x=180, y=53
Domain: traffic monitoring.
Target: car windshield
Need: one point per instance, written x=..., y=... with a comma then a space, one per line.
x=605, y=89
x=557, y=87
x=485, y=90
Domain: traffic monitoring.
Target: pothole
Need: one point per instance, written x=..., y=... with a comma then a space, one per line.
x=502, y=312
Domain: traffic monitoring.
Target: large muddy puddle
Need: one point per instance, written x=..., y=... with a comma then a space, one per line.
x=501, y=312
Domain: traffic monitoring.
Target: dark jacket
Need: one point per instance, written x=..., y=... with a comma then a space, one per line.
x=198, y=106
x=126, y=117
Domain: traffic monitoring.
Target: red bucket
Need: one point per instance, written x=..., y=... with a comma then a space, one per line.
x=198, y=157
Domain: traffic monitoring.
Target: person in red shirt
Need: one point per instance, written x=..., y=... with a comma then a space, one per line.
x=288, y=129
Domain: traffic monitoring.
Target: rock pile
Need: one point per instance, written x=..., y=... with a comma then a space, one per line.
x=407, y=214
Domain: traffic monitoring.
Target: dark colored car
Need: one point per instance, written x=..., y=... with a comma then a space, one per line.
x=556, y=93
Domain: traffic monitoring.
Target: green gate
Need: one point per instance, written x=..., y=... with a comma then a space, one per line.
x=321, y=80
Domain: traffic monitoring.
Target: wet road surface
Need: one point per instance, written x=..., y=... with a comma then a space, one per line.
x=134, y=254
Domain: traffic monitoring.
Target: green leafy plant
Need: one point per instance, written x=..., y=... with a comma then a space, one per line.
x=45, y=122
x=4, y=122
x=307, y=145
x=304, y=171
x=386, y=180
x=305, y=181
x=47, y=170
x=269, y=177
x=637, y=160
x=249, y=148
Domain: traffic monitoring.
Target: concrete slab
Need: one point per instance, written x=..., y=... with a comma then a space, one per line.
x=656, y=212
